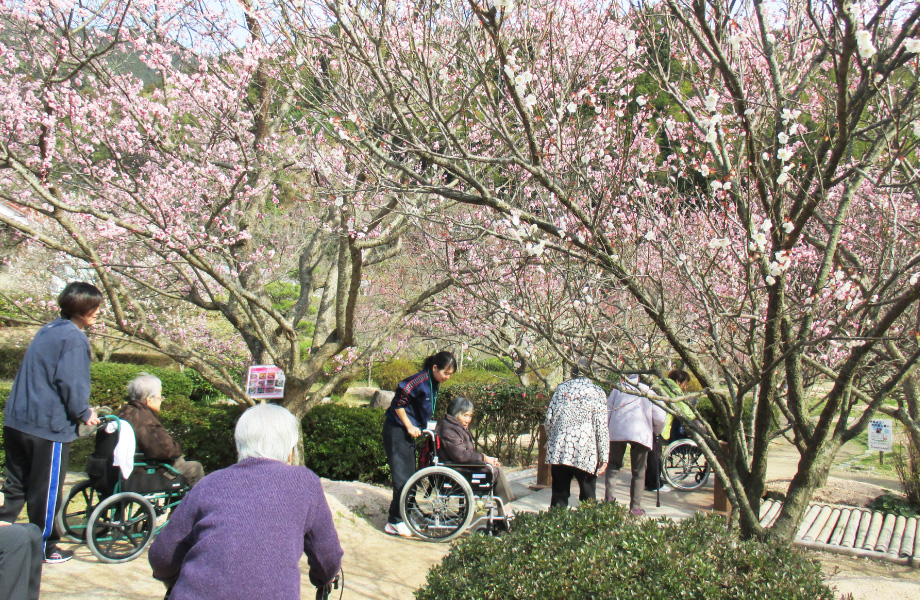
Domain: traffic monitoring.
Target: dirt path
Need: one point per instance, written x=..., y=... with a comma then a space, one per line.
x=378, y=566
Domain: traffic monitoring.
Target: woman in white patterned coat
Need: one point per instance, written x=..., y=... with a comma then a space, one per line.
x=577, y=438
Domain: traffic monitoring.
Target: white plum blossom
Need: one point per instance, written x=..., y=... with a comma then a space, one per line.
x=718, y=243
x=913, y=278
x=771, y=38
x=704, y=170
x=717, y=185
x=790, y=114
x=509, y=72
x=641, y=101
x=571, y=107
x=523, y=78
x=506, y=4
x=735, y=40
x=770, y=280
x=783, y=178
x=864, y=44
x=788, y=226
x=529, y=102
x=766, y=225
x=912, y=45
x=784, y=154
x=711, y=102
x=783, y=138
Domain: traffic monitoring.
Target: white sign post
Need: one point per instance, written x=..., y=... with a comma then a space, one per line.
x=880, y=437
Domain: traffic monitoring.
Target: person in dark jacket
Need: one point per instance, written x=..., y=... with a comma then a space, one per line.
x=408, y=415
x=20, y=561
x=241, y=532
x=153, y=441
x=457, y=444
x=49, y=399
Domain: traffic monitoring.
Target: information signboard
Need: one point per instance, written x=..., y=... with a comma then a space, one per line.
x=880, y=437
x=265, y=382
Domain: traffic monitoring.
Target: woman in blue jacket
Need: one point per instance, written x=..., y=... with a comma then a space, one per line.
x=50, y=397
x=409, y=413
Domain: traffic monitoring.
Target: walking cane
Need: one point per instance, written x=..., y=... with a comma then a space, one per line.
x=658, y=465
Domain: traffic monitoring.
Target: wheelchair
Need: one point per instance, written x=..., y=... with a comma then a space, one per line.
x=117, y=517
x=441, y=500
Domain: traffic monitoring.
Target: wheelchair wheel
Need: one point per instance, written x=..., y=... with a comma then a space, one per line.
x=437, y=504
x=121, y=527
x=684, y=465
x=76, y=510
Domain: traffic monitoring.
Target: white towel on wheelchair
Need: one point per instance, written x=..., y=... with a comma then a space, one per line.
x=124, y=450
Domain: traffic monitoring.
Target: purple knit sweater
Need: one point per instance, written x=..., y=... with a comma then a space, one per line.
x=241, y=531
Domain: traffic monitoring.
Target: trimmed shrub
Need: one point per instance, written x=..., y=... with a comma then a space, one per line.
x=204, y=431
x=345, y=443
x=503, y=413
x=388, y=375
x=109, y=383
x=600, y=551
x=474, y=377
x=491, y=363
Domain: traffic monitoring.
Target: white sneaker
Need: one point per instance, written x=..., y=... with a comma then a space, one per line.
x=665, y=488
x=400, y=529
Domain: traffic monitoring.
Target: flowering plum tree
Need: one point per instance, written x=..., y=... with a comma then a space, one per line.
x=152, y=143
x=742, y=173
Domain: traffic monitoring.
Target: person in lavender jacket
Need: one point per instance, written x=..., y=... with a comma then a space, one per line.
x=240, y=532
x=633, y=420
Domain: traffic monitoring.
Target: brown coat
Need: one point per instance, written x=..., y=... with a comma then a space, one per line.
x=456, y=442
x=152, y=438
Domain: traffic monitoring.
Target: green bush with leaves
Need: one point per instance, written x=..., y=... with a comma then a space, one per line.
x=388, y=375
x=109, y=382
x=503, y=413
x=205, y=432
x=601, y=551
x=345, y=443
x=10, y=359
x=491, y=363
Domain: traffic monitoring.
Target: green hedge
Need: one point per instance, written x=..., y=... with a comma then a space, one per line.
x=345, y=443
x=109, y=382
x=10, y=359
x=503, y=412
x=388, y=375
x=601, y=551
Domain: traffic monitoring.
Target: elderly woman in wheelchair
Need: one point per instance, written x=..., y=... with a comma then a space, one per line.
x=454, y=483
x=125, y=501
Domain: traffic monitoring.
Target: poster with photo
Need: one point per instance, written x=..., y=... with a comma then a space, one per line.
x=265, y=382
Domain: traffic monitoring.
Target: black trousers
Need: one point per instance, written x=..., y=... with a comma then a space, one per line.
x=562, y=481
x=400, y=449
x=35, y=470
x=21, y=559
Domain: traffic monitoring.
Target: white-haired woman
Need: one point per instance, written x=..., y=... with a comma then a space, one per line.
x=240, y=533
x=145, y=397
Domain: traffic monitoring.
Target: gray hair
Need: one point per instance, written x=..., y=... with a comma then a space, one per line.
x=143, y=386
x=458, y=406
x=267, y=431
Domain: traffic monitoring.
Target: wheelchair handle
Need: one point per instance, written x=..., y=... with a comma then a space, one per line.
x=325, y=592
